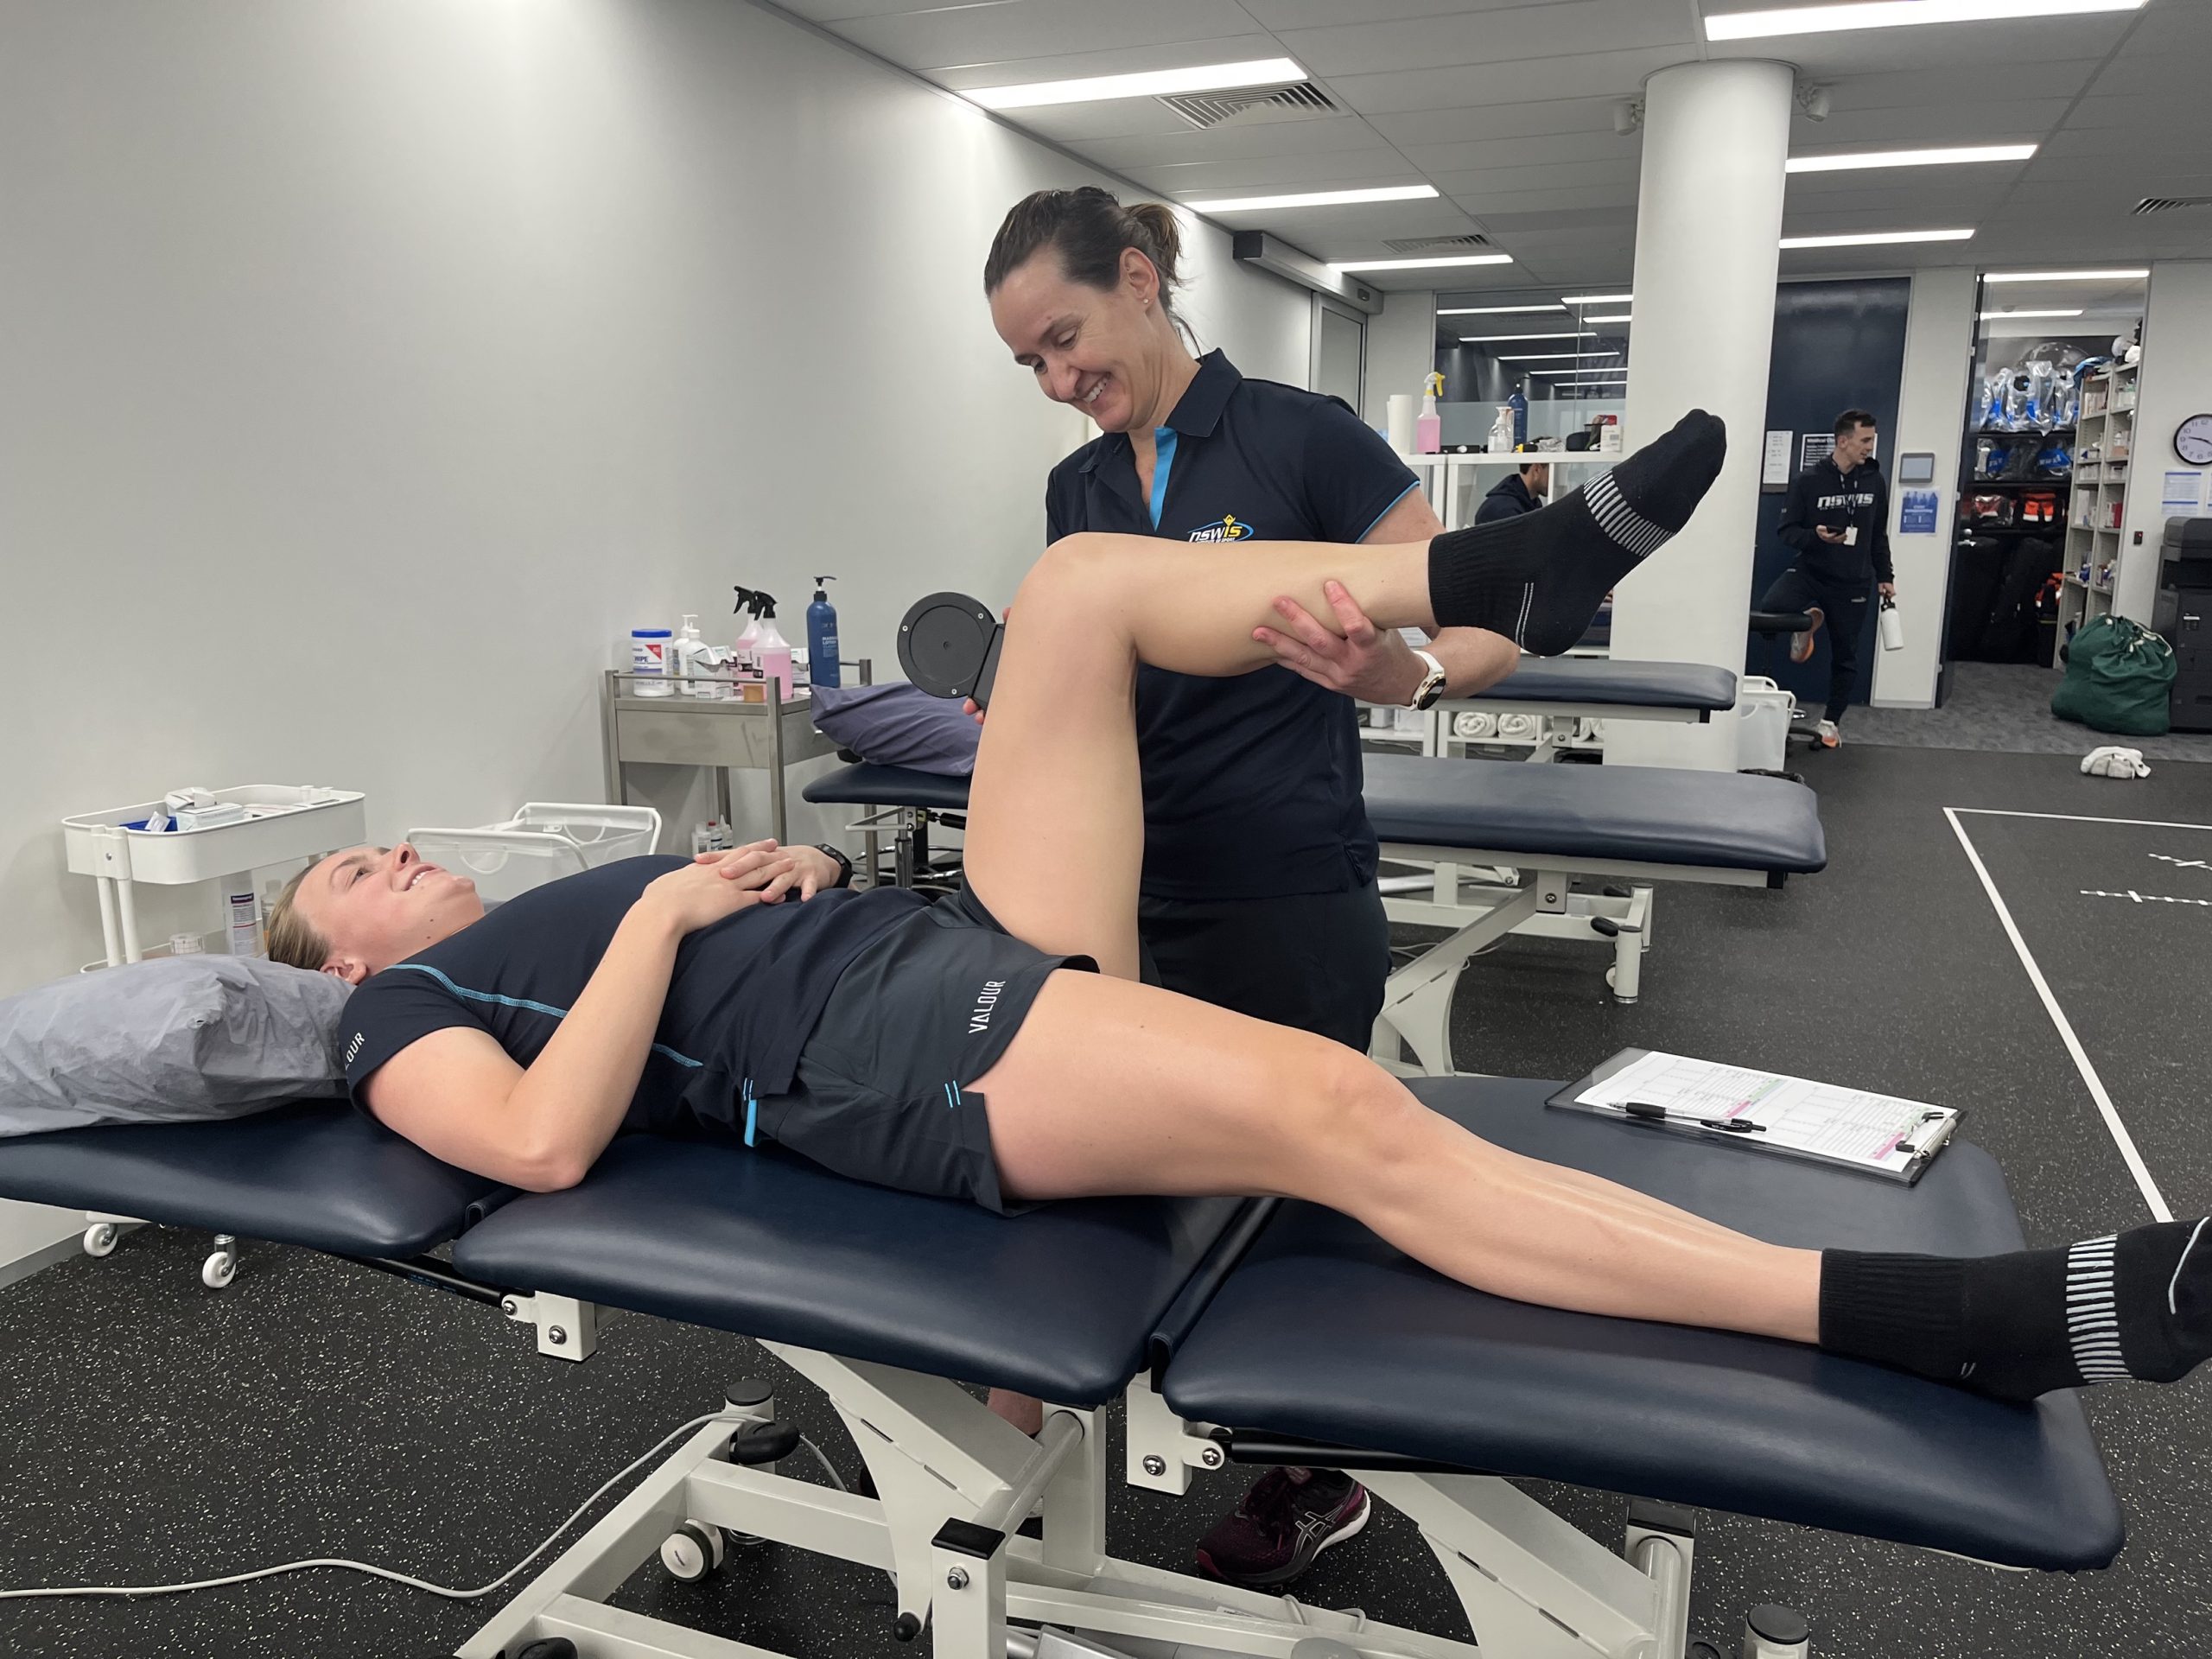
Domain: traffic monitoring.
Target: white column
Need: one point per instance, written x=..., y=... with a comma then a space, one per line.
x=1931, y=420
x=2174, y=384
x=1401, y=350
x=1708, y=230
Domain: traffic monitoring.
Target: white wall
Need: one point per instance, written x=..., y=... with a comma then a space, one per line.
x=1938, y=340
x=1401, y=351
x=365, y=365
x=2175, y=383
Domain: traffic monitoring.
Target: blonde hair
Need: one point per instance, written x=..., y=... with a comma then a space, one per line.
x=291, y=939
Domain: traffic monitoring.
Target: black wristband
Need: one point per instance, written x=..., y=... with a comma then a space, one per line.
x=844, y=864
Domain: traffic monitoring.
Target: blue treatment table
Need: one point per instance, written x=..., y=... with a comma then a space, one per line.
x=1505, y=844
x=1561, y=696
x=1200, y=1313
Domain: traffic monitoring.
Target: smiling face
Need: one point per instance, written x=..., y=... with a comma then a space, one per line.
x=1111, y=352
x=377, y=905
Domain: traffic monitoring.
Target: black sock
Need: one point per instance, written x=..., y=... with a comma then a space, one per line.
x=1540, y=578
x=2104, y=1310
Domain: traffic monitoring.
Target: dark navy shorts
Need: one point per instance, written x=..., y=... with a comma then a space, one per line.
x=881, y=1093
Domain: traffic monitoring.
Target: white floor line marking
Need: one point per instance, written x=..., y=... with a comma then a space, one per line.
x=2121, y=1139
x=2076, y=817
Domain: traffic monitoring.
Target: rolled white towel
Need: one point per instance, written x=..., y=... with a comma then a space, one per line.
x=2113, y=761
x=1516, y=726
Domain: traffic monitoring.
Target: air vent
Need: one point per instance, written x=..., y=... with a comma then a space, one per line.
x=2168, y=204
x=1292, y=100
x=1434, y=243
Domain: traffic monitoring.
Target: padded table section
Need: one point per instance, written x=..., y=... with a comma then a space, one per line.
x=1651, y=814
x=316, y=1173
x=1615, y=680
x=1416, y=1365
x=873, y=785
x=1059, y=1303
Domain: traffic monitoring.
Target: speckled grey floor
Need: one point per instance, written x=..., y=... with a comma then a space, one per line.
x=153, y=1431
x=2005, y=708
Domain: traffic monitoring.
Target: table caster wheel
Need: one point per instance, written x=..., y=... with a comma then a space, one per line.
x=1609, y=978
x=554, y=1647
x=99, y=1239
x=218, y=1270
x=691, y=1552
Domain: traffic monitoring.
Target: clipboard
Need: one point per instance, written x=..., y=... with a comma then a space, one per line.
x=1883, y=1136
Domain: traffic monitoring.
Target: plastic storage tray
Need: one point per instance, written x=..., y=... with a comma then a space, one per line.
x=283, y=822
x=543, y=841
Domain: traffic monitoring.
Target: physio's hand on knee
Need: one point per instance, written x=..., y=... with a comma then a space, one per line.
x=718, y=885
x=1355, y=658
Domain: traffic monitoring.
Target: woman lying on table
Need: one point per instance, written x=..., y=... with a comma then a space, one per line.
x=997, y=1046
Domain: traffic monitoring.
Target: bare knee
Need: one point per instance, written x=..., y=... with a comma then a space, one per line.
x=1077, y=569
x=1355, y=1117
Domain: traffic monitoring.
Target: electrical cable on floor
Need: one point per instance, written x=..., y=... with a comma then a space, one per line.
x=134, y=1591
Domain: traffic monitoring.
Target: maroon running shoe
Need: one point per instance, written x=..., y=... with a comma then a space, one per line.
x=1282, y=1526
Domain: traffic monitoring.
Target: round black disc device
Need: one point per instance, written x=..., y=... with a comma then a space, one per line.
x=944, y=643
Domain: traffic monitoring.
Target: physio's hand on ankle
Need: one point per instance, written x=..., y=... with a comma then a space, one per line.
x=1355, y=658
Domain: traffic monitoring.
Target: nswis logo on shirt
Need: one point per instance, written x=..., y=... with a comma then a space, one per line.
x=1227, y=528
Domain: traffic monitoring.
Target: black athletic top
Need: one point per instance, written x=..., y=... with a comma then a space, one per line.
x=1823, y=494
x=1251, y=784
x=744, y=997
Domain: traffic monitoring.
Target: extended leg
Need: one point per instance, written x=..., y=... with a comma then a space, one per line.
x=1113, y=1087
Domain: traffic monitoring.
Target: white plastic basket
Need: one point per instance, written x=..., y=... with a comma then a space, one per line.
x=543, y=841
x=1762, y=725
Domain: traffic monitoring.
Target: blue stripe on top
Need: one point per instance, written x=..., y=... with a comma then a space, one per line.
x=1392, y=508
x=524, y=1003
x=1163, y=459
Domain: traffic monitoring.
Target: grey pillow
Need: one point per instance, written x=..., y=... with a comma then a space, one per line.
x=173, y=1039
x=899, y=725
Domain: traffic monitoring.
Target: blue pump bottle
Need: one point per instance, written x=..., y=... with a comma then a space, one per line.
x=822, y=637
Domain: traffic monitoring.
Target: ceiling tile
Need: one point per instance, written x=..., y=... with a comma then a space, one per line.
x=1080, y=126
x=832, y=12
x=1591, y=75
x=1012, y=31
x=1235, y=142
x=1477, y=123
x=1974, y=48
x=1468, y=190
x=1556, y=176
x=2015, y=121
x=1343, y=170
x=1109, y=61
x=1937, y=89
x=1563, y=29
x=1983, y=183
x=1557, y=148
x=2178, y=115
x=1283, y=15
x=1612, y=222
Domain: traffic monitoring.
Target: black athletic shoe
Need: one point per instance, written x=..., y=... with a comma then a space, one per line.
x=1282, y=1526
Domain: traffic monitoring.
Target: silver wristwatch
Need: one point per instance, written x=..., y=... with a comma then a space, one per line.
x=1432, y=686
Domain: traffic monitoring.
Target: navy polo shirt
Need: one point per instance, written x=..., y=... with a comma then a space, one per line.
x=744, y=994
x=1251, y=784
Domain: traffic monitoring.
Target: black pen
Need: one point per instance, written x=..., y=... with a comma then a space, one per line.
x=1647, y=1112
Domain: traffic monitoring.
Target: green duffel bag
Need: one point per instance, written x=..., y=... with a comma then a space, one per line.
x=2120, y=678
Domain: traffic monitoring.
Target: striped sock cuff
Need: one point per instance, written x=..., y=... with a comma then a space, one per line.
x=1630, y=529
x=2093, y=1311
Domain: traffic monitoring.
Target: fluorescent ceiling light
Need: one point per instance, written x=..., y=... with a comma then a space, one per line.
x=1492, y=310
x=1894, y=14
x=1427, y=264
x=1872, y=238
x=1582, y=374
x=1847, y=163
x=1617, y=316
x=1203, y=78
x=1314, y=199
x=1554, y=357
x=1500, y=340
x=1997, y=316
x=1596, y=299
x=2066, y=276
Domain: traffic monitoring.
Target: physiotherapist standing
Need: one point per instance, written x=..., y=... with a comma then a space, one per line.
x=1259, y=891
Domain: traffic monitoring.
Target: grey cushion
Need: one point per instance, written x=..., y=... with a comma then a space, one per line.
x=172, y=1039
x=899, y=725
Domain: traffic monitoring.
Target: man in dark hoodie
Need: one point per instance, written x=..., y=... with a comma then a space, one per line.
x=1838, y=520
x=1516, y=493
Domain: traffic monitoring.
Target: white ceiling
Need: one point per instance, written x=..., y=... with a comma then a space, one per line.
x=1506, y=107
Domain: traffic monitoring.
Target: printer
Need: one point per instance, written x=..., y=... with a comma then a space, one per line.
x=2182, y=614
